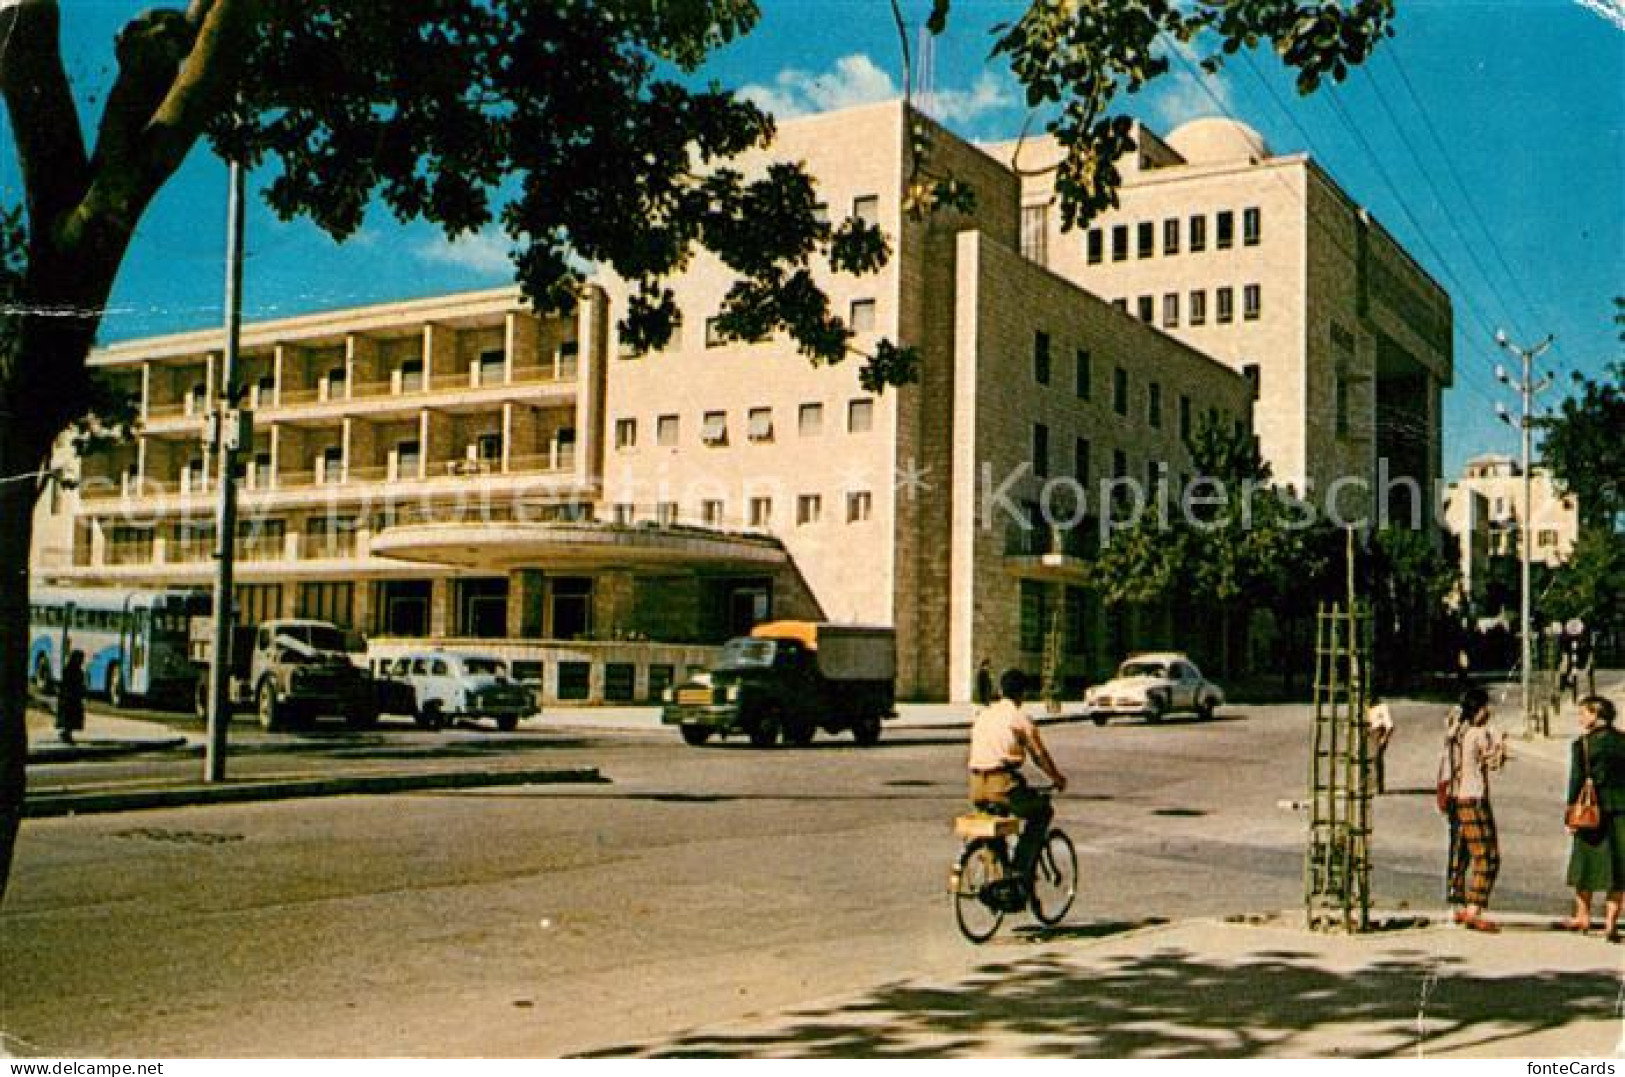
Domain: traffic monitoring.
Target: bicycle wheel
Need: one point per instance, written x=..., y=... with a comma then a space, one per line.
x=1055, y=879
x=978, y=868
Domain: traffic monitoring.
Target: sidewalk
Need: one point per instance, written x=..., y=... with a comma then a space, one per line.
x=1211, y=989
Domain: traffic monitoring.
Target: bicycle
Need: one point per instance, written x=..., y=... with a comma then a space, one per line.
x=986, y=887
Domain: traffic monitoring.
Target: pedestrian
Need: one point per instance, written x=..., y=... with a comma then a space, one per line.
x=70, y=698
x=1597, y=857
x=1379, y=723
x=984, y=683
x=1472, y=750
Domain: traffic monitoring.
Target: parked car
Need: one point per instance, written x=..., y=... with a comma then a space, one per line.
x=1151, y=686
x=450, y=687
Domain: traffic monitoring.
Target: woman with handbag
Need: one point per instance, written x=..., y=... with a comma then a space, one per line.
x=1596, y=816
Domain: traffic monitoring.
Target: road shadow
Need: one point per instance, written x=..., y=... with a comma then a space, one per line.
x=1170, y=1003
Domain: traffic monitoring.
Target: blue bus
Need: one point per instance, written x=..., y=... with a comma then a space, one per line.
x=136, y=643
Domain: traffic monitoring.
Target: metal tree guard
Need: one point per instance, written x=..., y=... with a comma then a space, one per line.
x=1337, y=869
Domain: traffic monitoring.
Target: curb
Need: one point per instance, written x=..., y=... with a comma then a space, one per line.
x=106, y=748
x=47, y=804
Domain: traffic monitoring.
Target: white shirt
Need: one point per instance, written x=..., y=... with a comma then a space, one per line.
x=1379, y=718
x=996, y=737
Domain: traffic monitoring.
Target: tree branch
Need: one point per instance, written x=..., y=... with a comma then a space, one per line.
x=44, y=121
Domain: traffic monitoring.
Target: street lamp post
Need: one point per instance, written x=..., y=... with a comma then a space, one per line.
x=1527, y=389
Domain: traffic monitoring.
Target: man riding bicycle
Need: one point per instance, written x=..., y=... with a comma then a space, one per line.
x=1000, y=740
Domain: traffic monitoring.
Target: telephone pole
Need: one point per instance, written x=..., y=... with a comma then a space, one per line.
x=228, y=427
x=1528, y=388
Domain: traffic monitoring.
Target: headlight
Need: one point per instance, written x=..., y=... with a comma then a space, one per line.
x=732, y=695
x=668, y=695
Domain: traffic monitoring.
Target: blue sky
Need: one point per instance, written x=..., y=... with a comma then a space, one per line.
x=1488, y=135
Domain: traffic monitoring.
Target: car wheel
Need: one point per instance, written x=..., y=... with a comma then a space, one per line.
x=1100, y=719
x=799, y=732
x=117, y=697
x=508, y=723
x=273, y=713
x=866, y=730
x=430, y=716
x=1153, y=712
x=695, y=735
x=764, y=731
x=361, y=717
x=1204, y=710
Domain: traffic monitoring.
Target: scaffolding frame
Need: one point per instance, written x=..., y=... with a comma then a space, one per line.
x=1337, y=866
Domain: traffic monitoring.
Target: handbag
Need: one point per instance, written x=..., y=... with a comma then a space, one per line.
x=1441, y=796
x=1584, y=813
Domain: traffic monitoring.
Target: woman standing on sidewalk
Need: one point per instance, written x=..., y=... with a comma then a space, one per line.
x=1597, y=857
x=70, y=698
x=1472, y=751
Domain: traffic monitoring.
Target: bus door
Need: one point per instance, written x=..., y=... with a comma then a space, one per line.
x=69, y=612
x=135, y=649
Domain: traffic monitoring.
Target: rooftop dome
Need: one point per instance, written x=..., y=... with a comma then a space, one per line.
x=1214, y=140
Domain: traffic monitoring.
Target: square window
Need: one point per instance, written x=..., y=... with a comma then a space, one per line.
x=863, y=316
x=866, y=208
x=666, y=513
x=1080, y=460
x=1226, y=302
x=1035, y=233
x=711, y=513
x=1252, y=226
x=626, y=433
x=1083, y=374
x=1153, y=412
x=809, y=507
x=1198, y=233
x=1120, y=391
x=666, y=429
x=622, y=514
x=759, y=424
x=714, y=429
x=1096, y=246
x=1040, y=450
x=1185, y=417
x=1170, y=236
x=1120, y=243
x=1252, y=302
x=761, y=511
x=1121, y=304
x=860, y=416
x=1146, y=239
x=859, y=504
x=1199, y=308
x=1225, y=230
x=1147, y=309
x=1041, y=358
x=810, y=420
x=1170, y=310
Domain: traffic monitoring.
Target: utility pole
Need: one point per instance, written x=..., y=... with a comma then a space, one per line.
x=1528, y=388
x=229, y=426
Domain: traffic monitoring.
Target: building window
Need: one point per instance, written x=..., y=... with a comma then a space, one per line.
x=1081, y=461
x=1170, y=236
x=1120, y=391
x=860, y=416
x=1170, y=310
x=859, y=504
x=1184, y=417
x=335, y=382
x=411, y=377
x=1035, y=233
x=1225, y=300
x=1546, y=539
x=621, y=515
x=493, y=367
x=1224, y=230
x=1153, y=411
x=1120, y=243
x=866, y=208
x=626, y=433
x=1146, y=239
x=488, y=450
x=1040, y=450
x=761, y=511
x=809, y=507
x=331, y=602
x=1083, y=374
x=1252, y=226
x=1341, y=391
x=1199, y=307
x=1255, y=378
x=1121, y=304
x=1252, y=301
x=1041, y=358
x=714, y=429
x=1198, y=233
x=1147, y=308
x=810, y=421
x=713, y=334
x=863, y=316
x=711, y=513
x=666, y=428
x=1033, y=616
x=666, y=513
x=333, y=462
x=1096, y=246
x=1119, y=464
x=759, y=424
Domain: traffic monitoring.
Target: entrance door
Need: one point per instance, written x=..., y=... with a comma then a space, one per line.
x=482, y=608
x=403, y=607
x=570, y=606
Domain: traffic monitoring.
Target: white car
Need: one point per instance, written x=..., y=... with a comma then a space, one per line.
x=1151, y=686
x=451, y=686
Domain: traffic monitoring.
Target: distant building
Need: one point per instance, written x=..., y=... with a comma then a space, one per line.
x=459, y=469
x=1263, y=261
x=1484, y=510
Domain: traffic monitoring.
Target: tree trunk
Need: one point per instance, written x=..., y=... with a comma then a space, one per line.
x=16, y=532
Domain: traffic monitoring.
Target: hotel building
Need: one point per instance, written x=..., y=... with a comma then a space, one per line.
x=1484, y=509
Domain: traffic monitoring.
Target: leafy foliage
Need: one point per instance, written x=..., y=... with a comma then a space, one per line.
x=1582, y=446
x=1591, y=585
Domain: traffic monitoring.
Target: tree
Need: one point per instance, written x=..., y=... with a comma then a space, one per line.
x=1581, y=447
x=1591, y=584
x=561, y=122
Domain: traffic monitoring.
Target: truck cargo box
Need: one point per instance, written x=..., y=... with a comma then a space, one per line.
x=845, y=652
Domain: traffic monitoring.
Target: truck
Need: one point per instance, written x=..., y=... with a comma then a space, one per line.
x=290, y=671
x=790, y=679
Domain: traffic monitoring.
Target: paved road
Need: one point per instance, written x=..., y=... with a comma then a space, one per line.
x=702, y=885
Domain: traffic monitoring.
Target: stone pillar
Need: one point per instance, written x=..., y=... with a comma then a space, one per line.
x=435, y=441
x=612, y=594
x=439, y=353
x=441, y=621
x=526, y=603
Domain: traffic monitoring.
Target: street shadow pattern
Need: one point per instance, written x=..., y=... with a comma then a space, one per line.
x=1170, y=1003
